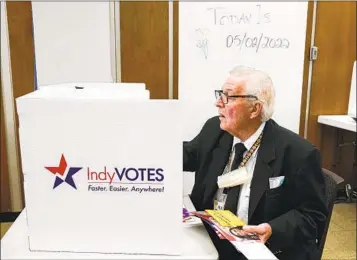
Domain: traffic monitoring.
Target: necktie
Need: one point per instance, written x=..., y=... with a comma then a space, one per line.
x=233, y=192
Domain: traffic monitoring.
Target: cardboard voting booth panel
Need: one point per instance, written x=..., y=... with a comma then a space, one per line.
x=96, y=85
x=101, y=174
x=97, y=90
x=101, y=86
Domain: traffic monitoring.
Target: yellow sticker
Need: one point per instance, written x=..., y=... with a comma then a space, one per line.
x=225, y=218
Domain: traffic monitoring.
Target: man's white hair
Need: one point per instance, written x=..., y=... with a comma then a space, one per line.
x=257, y=83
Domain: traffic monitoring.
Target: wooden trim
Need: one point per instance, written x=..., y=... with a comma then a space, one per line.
x=144, y=42
x=21, y=45
x=176, y=48
x=332, y=71
x=310, y=11
x=14, y=184
x=5, y=201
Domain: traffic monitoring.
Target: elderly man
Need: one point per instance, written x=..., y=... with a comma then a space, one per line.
x=282, y=201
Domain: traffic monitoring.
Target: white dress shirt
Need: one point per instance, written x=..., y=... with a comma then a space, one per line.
x=243, y=200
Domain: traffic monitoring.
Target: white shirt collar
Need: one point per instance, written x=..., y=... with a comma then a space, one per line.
x=251, y=140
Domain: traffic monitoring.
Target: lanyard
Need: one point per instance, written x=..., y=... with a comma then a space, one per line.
x=247, y=156
x=245, y=159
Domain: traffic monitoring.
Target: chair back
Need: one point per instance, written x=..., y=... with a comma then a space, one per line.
x=331, y=183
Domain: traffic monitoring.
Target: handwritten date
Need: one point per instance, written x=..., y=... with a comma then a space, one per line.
x=258, y=42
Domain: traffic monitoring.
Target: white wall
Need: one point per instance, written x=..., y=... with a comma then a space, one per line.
x=352, y=99
x=73, y=42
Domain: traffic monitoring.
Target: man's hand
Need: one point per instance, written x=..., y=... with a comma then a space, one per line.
x=263, y=231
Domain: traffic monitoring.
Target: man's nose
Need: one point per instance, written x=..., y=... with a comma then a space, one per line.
x=219, y=102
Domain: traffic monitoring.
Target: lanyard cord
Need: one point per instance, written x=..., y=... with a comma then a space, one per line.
x=247, y=156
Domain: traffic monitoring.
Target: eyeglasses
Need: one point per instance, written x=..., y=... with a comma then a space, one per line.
x=224, y=97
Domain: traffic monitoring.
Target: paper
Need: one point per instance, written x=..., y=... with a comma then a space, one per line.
x=276, y=182
x=231, y=233
x=233, y=178
x=188, y=219
x=248, y=244
x=254, y=251
x=225, y=218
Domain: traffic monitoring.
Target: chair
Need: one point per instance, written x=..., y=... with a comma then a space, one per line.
x=332, y=181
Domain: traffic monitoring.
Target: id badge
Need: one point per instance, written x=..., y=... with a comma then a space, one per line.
x=219, y=203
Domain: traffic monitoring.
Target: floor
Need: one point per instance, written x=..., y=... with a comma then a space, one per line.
x=341, y=237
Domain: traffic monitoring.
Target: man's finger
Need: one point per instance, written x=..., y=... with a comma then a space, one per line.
x=249, y=228
x=252, y=229
x=263, y=238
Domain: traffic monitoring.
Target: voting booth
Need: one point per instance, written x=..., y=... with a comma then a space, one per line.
x=102, y=170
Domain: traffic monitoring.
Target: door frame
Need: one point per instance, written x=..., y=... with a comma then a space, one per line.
x=15, y=182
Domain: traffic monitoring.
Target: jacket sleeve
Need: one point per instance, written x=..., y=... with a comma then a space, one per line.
x=307, y=220
x=191, y=149
x=191, y=152
x=190, y=155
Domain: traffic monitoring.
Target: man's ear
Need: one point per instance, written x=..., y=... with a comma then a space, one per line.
x=256, y=110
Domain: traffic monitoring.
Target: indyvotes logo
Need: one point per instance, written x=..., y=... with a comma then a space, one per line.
x=111, y=179
x=61, y=173
x=126, y=179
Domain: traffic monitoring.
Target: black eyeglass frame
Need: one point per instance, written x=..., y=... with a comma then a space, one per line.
x=219, y=93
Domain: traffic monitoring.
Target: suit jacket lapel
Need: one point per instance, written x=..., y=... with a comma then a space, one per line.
x=262, y=169
x=216, y=166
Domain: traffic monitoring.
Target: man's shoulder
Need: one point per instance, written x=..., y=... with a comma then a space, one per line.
x=212, y=122
x=290, y=139
x=211, y=127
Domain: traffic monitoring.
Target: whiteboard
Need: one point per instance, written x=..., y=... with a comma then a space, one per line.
x=352, y=100
x=215, y=37
x=72, y=42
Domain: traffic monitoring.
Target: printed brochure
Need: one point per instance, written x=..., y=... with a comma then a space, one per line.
x=229, y=226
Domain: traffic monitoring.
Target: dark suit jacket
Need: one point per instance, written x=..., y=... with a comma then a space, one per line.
x=296, y=210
